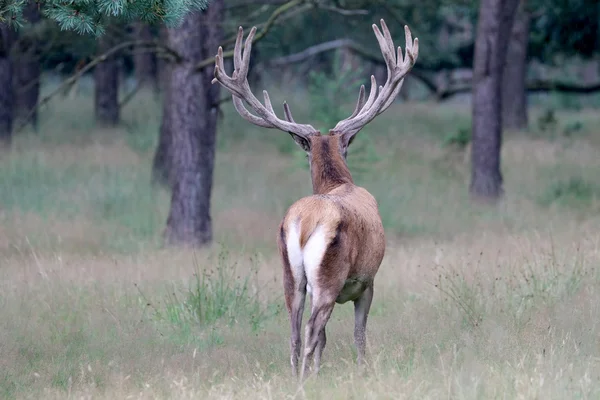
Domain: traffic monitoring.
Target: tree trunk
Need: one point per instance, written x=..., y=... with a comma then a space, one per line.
x=163, y=64
x=27, y=70
x=192, y=116
x=6, y=83
x=144, y=61
x=106, y=81
x=493, y=32
x=514, y=87
x=161, y=164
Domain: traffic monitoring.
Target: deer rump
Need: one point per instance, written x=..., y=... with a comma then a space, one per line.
x=329, y=247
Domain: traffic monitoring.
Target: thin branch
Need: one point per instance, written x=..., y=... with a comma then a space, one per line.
x=127, y=98
x=564, y=87
x=323, y=47
x=266, y=27
x=312, y=51
x=440, y=93
x=343, y=11
x=97, y=60
x=535, y=86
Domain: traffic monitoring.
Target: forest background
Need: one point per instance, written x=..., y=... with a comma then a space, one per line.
x=138, y=211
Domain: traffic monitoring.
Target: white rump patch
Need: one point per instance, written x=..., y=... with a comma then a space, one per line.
x=313, y=253
x=307, y=260
x=295, y=252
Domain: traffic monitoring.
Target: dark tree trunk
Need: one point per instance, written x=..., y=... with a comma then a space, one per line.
x=144, y=61
x=192, y=114
x=161, y=164
x=514, y=87
x=27, y=70
x=6, y=83
x=106, y=81
x=162, y=63
x=493, y=32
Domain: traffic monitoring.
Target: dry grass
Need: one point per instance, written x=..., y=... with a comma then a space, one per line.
x=470, y=302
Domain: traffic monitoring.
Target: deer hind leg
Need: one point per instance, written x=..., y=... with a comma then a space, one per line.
x=314, y=335
x=296, y=310
x=362, y=305
x=294, y=280
x=319, y=350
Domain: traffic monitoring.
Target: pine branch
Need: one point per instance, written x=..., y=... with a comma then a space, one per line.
x=90, y=17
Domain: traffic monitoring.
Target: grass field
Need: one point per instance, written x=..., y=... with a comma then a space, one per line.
x=469, y=303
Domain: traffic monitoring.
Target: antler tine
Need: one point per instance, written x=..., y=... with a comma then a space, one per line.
x=247, y=115
x=397, y=68
x=360, y=103
x=287, y=112
x=238, y=86
x=387, y=36
x=268, y=102
x=247, y=50
x=388, y=54
x=237, y=50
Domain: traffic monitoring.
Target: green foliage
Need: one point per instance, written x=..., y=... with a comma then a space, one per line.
x=547, y=121
x=90, y=17
x=459, y=138
x=217, y=294
x=564, y=26
x=575, y=191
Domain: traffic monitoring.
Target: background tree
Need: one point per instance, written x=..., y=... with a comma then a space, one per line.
x=191, y=112
x=144, y=61
x=106, y=82
x=6, y=83
x=27, y=66
x=514, y=86
x=493, y=32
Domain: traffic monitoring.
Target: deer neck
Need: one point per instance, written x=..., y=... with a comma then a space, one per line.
x=328, y=168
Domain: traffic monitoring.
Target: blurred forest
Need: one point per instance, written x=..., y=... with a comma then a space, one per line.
x=495, y=54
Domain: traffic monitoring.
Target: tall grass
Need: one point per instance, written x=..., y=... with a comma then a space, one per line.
x=469, y=303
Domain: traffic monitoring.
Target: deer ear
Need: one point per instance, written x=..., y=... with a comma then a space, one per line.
x=347, y=140
x=301, y=141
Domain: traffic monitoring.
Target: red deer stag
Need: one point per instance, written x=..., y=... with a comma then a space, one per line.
x=331, y=243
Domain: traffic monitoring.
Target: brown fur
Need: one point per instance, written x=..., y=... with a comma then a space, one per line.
x=355, y=246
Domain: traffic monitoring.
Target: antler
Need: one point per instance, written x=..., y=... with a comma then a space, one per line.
x=238, y=85
x=397, y=68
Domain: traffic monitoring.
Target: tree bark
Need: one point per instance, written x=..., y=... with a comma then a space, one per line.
x=144, y=61
x=27, y=70
x=106, y=81
x=162, y=162
x=162, y=64
x=493, y=32
x=6, y=83
x=192, y=120
x=514, y=86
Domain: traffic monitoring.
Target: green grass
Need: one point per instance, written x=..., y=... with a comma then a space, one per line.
x=470, y=302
